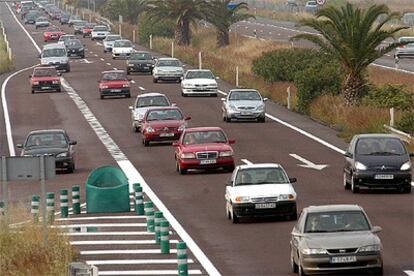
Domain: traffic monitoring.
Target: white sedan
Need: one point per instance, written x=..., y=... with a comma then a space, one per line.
x=260, y=190
x=122, y=48
x=199, y=82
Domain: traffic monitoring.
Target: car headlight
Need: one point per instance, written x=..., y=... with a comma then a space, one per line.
x=242, y=199
x=81, y=49
x=187, y=155
x=187, y=85
x=104, y=86
x=150, y=129
x=55, y=82
x=130, y=65
x=35, y=82
x=226, y=153
x=370, y=248
x=260, y=107
x=314, y=251
x=286, y=196
x=360, y=167
x=63, y=154
x=63, y=61
x=406, y=166
x=125, y=85
x=182, y=127
x=232, y=107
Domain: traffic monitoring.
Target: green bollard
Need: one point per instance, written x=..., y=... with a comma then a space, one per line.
x=139, y=202
x=165, y=238
x=148, y=206
x=157, y=221
x=182, y=259
x=150, y=221
x=2, y=208
x=134, y=187
x=76, y=199
x=64, y=203
x=35, y=208
x=50, y=207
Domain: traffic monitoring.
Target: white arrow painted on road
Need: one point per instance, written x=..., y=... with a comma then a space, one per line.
x=307, y=163
x=86, y=61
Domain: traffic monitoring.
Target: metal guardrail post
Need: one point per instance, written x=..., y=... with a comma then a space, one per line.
x=50, y=207
x=35, y=208
x=158, y=218
x=2, y=208
x=149, y=213
x=139, y=201
x=182, y=259
x=64, y=208
x=76, y=199
x=165, y=238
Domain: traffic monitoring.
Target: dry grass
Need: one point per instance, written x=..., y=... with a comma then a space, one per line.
x=5, y=64
x=24, y=252
x=379, y=75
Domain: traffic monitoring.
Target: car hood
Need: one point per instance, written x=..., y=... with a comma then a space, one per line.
x=169, y=68
x=378, y=161
x=199, y=82
x=263, y=190
x=340, y=240
x=109, y=43
x=207, y=147
x=239, y=104
x=166, y=123
x=74, y=47
x=139, y=61
x=52, y=33
x=44, y=150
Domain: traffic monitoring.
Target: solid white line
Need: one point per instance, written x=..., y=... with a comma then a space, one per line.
x=143, y=261
x=246, y=162
x=141, y=88
x=117, y=242
x=102, y=59
x=392, y=68
x=122, y=251
x=98, y=43
x=100, y=225
x=113, y=233
x=148, y=272
x=99, y=218
x=108, y=64
x=409, y=272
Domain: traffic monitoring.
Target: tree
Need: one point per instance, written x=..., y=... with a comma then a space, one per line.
x=182, y=12
x=129, y=9
x=222, y=17
x=354, y=37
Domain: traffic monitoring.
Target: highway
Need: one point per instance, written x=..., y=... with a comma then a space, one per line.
x=255, y=247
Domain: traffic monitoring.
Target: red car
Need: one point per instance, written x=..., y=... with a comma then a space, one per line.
x=203, y=148
x=114, y=83
x=163, y=124
x=45, y=79
x=87, y=30
x=52, y=33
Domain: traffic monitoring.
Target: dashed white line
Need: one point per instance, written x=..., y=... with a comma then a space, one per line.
x=409, y=272
x=141, y=88
x=98, y=43
x=247, y=162
x=108, y=64
x=147, y=272
x=102, y=59
x=91, y=52
x=95, y=55
x=132, y=81
x=115, y=68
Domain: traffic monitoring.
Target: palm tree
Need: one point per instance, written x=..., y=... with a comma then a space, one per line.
x=354, y=37
x=132, y=9
x=222, y=17
x=182, y=12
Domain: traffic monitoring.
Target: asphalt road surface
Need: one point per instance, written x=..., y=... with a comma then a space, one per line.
x=255, y=247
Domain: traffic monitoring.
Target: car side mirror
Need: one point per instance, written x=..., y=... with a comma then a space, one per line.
x=173, y=104
x=293, y=180
x=217, y=78
x=59, y=74
x=19, y=146
x=229, y=183
x=175, y=144
x=131, y=107
x=348, y=154
x=232, y=141
x=188, y=118
x=72, y=143
x=376, y=229
x=182, y=78
x=265, y=99
x=223, y=99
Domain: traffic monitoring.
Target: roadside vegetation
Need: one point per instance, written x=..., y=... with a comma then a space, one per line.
x=5, y=64
x=23, y=252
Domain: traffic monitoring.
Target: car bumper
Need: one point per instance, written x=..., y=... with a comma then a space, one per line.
x=76, y=53
x=367, y=179
x=86, y=34
x=196, y=163
x=194, y=91
x=115, y=91
x=246, y=115
x=161, y=137
x=404, y=54
x=63, y=162
x=77, y=31
x=283, y=208
x=168, y=76
x=120, y=55
x=139, y=68
x=322, y=264
x=45, y=87
x=42, y=25
x=56, y=37
x=98, y=36
x=60, y=66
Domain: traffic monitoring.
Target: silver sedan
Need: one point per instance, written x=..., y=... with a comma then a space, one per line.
x=244, y=104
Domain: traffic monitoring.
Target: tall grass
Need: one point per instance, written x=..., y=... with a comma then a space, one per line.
x=5, y=64
x=23, y=252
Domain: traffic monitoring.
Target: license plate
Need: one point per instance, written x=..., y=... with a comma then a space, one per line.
x=116, y=90
x=246, y=113
x=208, y=161
x=46, y=87
x=384, y=176
x=166, y=134
x=145, y=67
x=265, y=205
x=343, y=259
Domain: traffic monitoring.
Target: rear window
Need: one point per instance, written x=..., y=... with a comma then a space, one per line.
x=114, y=76
x=50, y=72
x=100, y=29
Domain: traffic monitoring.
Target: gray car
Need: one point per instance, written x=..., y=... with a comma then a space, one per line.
x=244, y=104
x=334, y=238
x=168, y=69
x=42, y=22
x=55, y=55
x=406, y=49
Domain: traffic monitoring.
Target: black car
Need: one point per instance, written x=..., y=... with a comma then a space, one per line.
x=31, y=17
x=140, y=62
x=75, y=48
x=377, y=161
x=51, y=142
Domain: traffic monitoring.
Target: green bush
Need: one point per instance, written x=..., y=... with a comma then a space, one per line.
x=390, y=95
x=146, y=26
x=406, y=122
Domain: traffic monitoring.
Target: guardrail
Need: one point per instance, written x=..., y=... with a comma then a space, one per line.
x=404, y=136
x=3, y=33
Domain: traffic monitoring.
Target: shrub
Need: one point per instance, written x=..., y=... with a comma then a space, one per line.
x=390, y=95
x=146, y=26
x=406, y=122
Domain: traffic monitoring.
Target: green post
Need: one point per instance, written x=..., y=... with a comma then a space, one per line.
x=150, y=221
x=134, y=187
x=165, y=238
x=2, y=209
x=139, y=201
x=182, y=259
x=35, y=208
x=76, y=199
x=157, y=220
x=50, y=207
x=64, y=203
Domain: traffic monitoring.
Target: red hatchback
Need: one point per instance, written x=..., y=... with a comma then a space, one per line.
x=52, y=33
x=45, y=79
x=204, y=148
x=87, y=30
x=163, y=124
x=114, y=83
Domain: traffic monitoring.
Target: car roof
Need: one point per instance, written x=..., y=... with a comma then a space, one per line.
x=167, y=59
x=260, y=165
x=199, y=70
x=123, y=39
x=40, y=131
x=376, y=135
x=54, y=45
x=333, y=208
x=164, y=107
x=44, y=67
x=194, y=129
x=151, y=94
x=243, y=90
x=113, y=71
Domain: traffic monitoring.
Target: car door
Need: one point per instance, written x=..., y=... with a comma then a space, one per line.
x=230, y=186
x=295, y=239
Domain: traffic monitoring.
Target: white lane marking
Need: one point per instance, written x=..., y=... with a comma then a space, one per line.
x=307, y=163
x=112, y=233
x=108, y=64
x=116, y=242
x=91, y=52
x=142, y=261
x=412, y=183
x=141, y=88
x=124, y=251
x=115, y=68
x=388, y=55
x=102, y=59
x=247, y=162
x=95, y=55
x=99, y=218
x=148, y=272
x=84, y=60
x=98, y=43
x=392, y=68
x=7, y=122
x=115, y=225
x=409, y=272
x=132, y=81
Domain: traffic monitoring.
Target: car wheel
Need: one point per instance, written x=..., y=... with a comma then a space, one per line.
x=406, y=189
x=300, y=270
x=354, y=186
x=128, y=73
x=59, y=90
x=68, y=70
x=128, y=95
x=229, y=168
x=33, y=91
x=228, y=120
x=134, y=128
x=347, y=186
x=183, y=94
x=105, y=51
x=294, y=216
x=154, y=80
x=228, y=211
x=234, y=218
x=83, y=56
x=378, y=271
x=71, y=168
x=214, y=95
x=181, y=170
x=113, y=58
x=145, y=142
x=262, y=119
x=102, y=97
x=293, y=265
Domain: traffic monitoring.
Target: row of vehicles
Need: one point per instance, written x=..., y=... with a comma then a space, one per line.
x=326, y=238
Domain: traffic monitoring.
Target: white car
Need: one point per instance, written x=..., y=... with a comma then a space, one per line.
x=109, y=41
x=99, y=32
x=199, y=82
x=144, y=102
x=64, y=38
x=122, y=48
x=260, y=190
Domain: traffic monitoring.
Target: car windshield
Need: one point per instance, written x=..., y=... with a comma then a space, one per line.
x=165, y=114
x=42, y=19
x=380, y=146
x=339, y=221
x=100, y=29
x=204, y=137
x=169, y=63
x=199, y=75
x=73, y=43
x=245, y=96
x=49, y=72
x=141, y=56
x=56, y=52
x=52, y=29
x=122, y=43
x=79, y=23
x=152, y=101
x=114, y=76
x=67, y=37
x=112, y=38
x=258, y=176
x=46, y=140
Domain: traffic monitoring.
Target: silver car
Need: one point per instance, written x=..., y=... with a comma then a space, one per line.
x=333, y=238
x=406, y=50
x=41, y=22
x=244, y=104
x=167, y=69
x=108, y=42
x=55, y=55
